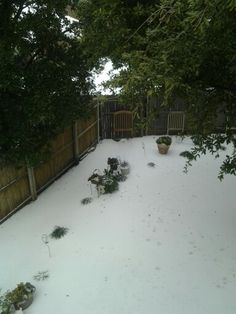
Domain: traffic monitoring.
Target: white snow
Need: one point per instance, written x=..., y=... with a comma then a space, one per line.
x=164, y=243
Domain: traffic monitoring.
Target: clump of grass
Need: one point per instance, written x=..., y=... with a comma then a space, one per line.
x=86, y=200
x=59, y=232
x=151, y=164
x=41, y=275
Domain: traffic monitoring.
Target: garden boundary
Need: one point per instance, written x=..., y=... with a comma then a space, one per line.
x=19, y=186
x=154, y=124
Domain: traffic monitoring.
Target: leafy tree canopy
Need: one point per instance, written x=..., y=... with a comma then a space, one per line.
x=172, y=47
x=44, y=76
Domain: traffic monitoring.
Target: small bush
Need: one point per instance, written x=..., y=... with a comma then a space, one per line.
x=86, y=200
x=110, y=184
x=19, y=293
x=113, y=163
x=151, y=164
x=59, y=232
x=6, y=306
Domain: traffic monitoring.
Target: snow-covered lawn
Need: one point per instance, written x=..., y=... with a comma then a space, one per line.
x=164, y=243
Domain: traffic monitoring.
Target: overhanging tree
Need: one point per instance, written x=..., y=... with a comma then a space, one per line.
x=174, y=47
x=44, y=76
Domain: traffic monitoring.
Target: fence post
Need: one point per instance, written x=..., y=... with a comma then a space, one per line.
x=141, y=120
x=32, y=182
x=75, y=143
x=98, y=123
x=147, y=116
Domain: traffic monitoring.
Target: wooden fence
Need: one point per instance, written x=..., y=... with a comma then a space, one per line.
x=19, y=186
x=156, y=125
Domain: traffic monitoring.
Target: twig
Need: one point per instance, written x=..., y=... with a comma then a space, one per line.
x=45, y=241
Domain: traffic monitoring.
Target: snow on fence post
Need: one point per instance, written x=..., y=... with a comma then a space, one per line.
x=32, y=182
x=75, y=142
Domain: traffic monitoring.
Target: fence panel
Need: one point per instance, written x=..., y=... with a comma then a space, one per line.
x=14, y=189
x=61, y=158
x=87, y=133
x=14, y=183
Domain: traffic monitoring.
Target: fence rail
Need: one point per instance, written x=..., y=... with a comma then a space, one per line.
x=20, y=185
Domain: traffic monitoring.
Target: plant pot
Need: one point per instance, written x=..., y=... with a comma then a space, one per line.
x=124, y=170
x=163, y=148
x=24, y=303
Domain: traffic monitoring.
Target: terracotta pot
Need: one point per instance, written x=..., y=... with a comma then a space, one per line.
x=163, y=148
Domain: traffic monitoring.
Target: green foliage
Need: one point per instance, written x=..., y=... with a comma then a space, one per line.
x=110, y=183
x=214, y=144
x=151, y=164
x=59, y=232
x=168, y=48
x=164, y=140
x=44, y=77
x=6, y=307
x=22, y=292
x=86, y=200
x=41, y=275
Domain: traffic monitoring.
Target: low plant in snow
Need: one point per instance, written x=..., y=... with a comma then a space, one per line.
x=151, y=164
x=105, y=183
x=86, y=200
x=6, y=306
x=41, y=275
x=113, y=164
x=59, y=232
x=110, y=183
x=19, y=298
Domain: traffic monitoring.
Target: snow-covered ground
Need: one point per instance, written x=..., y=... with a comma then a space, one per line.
x=164, y=243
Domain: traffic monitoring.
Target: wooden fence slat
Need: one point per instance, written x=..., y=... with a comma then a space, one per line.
x=17, y=186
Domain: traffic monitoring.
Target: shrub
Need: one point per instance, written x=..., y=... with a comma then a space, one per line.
x=20, y=292
x=59, y=232
x=110, y=184
x=151, y=164
x=86, y=200
x=6, y=307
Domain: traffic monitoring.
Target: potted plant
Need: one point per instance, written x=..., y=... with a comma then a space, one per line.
x=124, y=168
x=22, y=296
x=105, y=183
x=163, y=144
